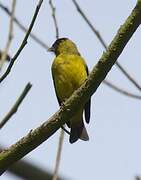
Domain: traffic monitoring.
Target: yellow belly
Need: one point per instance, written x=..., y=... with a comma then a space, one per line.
x=69, y=72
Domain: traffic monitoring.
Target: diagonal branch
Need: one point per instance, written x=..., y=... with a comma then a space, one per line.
x=15, y=107
x=122, y=91
x=23, y=28
x=24, y=42
x=45, y=46
x=27, y=170
x=104, y=44
x=128, y=76
x=35, y=137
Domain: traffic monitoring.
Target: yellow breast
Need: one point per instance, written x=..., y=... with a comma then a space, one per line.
x=69, y=72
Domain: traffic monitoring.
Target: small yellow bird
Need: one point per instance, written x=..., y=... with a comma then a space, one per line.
x=69, y=71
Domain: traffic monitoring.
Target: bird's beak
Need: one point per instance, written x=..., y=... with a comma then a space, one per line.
x=51, y=49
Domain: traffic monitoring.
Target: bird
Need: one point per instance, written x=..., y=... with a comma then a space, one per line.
x=69, y=72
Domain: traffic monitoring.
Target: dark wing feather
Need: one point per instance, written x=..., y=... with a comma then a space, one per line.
x=87, y=105
x=88, y=111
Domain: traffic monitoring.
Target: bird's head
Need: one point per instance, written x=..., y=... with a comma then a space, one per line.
x=64, y=45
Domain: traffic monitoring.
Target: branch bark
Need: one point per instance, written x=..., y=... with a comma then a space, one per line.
x=81, y=96
x=98, y=35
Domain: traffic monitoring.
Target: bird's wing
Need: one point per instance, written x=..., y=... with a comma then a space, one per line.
x=87, y=105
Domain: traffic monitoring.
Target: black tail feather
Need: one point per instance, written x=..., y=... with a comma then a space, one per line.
x=78, y=132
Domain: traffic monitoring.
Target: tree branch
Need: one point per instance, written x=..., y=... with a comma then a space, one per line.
x=24, y=42
x=54, y=18
x=80, y=96
x=121, y=91
x=45, y=46
x=15, y=107
x=98, y=35
x=129, y=76
x=30, y=171
x=26, y=170
x=23, y=28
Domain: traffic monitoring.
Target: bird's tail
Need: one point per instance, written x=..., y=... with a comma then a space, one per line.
x=78, y=131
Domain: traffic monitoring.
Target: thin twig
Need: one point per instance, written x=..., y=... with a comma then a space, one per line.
x=15, y=107
x=54, y=18
x=58, y=157
x=10, y=35
x=61, y=136
x=128, y=76
x=23, y=28
x=37, y=136
x=45, y=46
x=122, y=91
x=96, y=32
x=24, y=42
x=98, y=35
